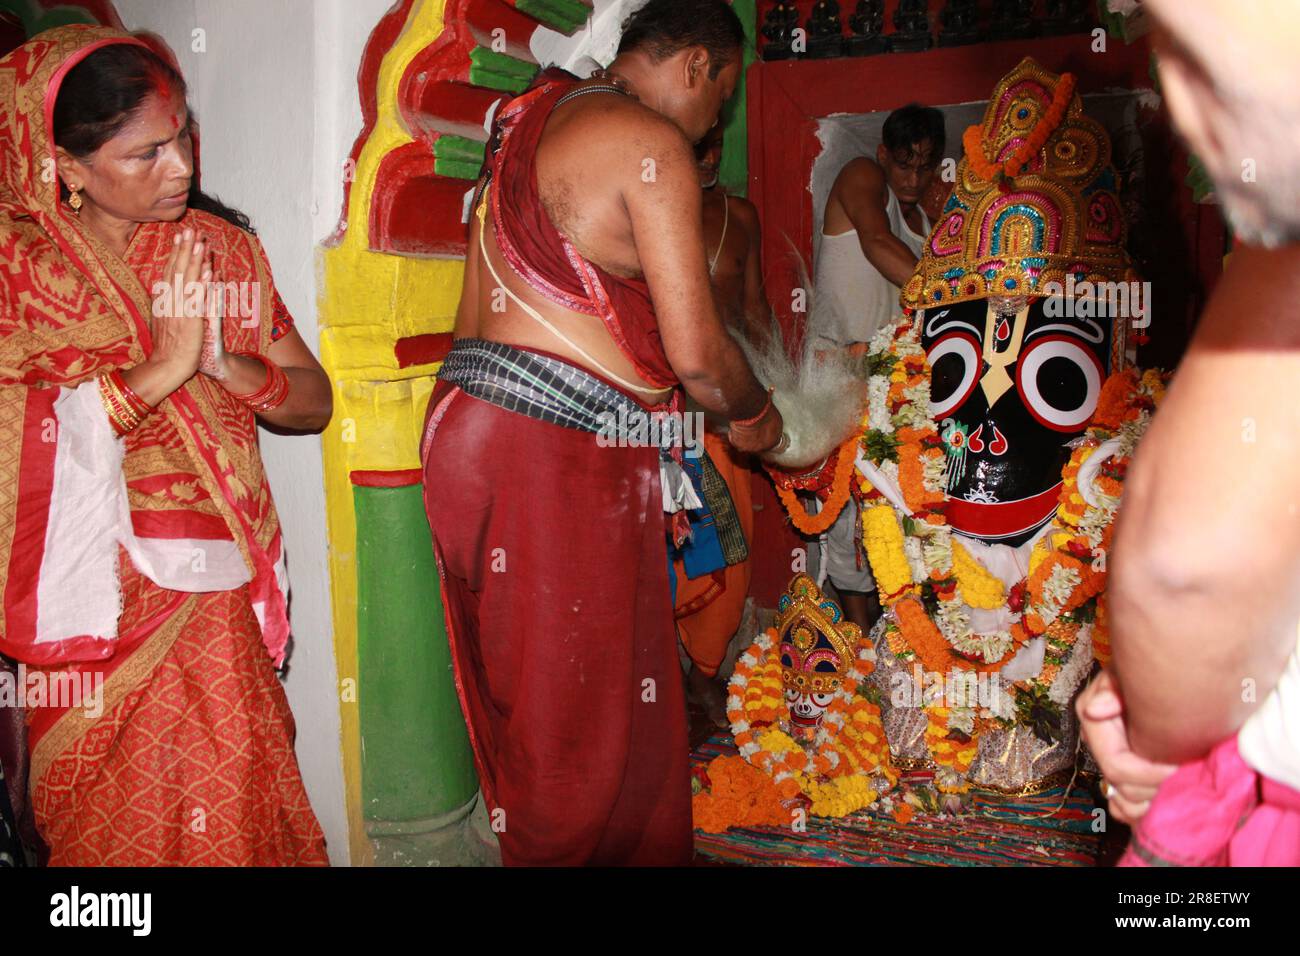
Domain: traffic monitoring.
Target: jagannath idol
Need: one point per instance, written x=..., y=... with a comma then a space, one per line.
x=989, y=461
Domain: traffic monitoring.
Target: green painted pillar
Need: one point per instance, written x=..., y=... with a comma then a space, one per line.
x=733, y=175
x=416, y=764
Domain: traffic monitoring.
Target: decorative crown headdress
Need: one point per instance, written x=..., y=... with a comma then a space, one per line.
x=817, y=645
x=1035, y=200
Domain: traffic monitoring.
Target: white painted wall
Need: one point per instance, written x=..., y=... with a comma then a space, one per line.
x=598, y=42
x=276, y=95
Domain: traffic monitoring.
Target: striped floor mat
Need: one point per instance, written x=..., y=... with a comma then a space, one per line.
x=997, y=831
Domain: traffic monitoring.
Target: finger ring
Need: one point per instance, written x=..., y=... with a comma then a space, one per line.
x=1110, y=790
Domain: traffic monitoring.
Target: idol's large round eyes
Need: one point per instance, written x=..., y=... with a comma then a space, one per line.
x=1059, y=381
x=823, y=700
x=791, y=695
x=954, y=371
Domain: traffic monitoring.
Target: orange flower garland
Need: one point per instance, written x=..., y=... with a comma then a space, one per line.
x=739, y=795
x=1101, y=633
x=918, y=633
x=949, y=749
x=813, y=525
x=1065, y=571
x=1066, y=574
x=758, y=711
x=1114, y=404
x=916, y=445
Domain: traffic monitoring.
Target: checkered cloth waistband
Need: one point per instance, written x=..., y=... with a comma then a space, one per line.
x=549, y=390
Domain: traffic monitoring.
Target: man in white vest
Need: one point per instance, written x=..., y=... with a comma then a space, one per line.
x=874, y=227
x=871, y=239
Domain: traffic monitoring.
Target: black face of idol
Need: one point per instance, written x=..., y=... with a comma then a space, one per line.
x=1009, y=391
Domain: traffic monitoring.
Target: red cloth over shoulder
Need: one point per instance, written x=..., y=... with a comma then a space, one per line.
x=541, y=256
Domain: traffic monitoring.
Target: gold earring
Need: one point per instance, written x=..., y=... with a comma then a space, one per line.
x=74, y=200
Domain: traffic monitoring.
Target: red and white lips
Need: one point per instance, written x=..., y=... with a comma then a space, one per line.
x=807, y=710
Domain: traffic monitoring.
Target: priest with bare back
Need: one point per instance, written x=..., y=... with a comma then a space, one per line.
x=586, y=299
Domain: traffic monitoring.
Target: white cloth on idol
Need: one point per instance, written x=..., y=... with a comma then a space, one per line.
x=1009, y=565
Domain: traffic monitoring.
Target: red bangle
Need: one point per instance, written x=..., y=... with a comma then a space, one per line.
x=273, y=391
x=141, y=407
x=750, y=422
x=126, y=410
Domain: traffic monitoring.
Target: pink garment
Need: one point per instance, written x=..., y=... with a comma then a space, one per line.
x=1218, y=811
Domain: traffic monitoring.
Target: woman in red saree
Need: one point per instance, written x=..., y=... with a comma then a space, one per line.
x=140, y=340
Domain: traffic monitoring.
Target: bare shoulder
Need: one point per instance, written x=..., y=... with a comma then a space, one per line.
x=744, y=212
x=861, y=175
x=595, y=156
x=607, y=128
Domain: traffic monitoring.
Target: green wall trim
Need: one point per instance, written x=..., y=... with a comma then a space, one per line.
x=456, y=169
x=500, y=71
x=564, y=16
x=458, y=157
x=733, y=174
x=416, y=760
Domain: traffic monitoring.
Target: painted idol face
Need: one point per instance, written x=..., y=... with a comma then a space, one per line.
x=1013, y=383
x=810, y=672
x=817, y=648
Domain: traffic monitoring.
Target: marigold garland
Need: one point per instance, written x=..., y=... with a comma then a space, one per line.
x=841, y=486
x=739, y=795
x=849, y=746
x=978, y=586
x=884, y=540
x=1101, y=633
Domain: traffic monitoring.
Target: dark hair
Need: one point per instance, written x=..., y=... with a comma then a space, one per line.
x=103, y=92
x=913, y=124
x=663, y=28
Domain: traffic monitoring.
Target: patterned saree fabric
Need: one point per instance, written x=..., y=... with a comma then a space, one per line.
x=152, y=563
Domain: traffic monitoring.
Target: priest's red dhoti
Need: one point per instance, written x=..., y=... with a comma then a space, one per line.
x=551, y=551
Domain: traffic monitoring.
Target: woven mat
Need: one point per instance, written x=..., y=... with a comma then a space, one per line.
x=996, y=831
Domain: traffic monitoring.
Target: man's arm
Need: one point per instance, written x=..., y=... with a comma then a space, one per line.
x=861, y=193
x=1204, y=587
x=668, y=228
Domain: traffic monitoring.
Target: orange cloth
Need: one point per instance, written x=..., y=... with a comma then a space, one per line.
x=710, y=607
